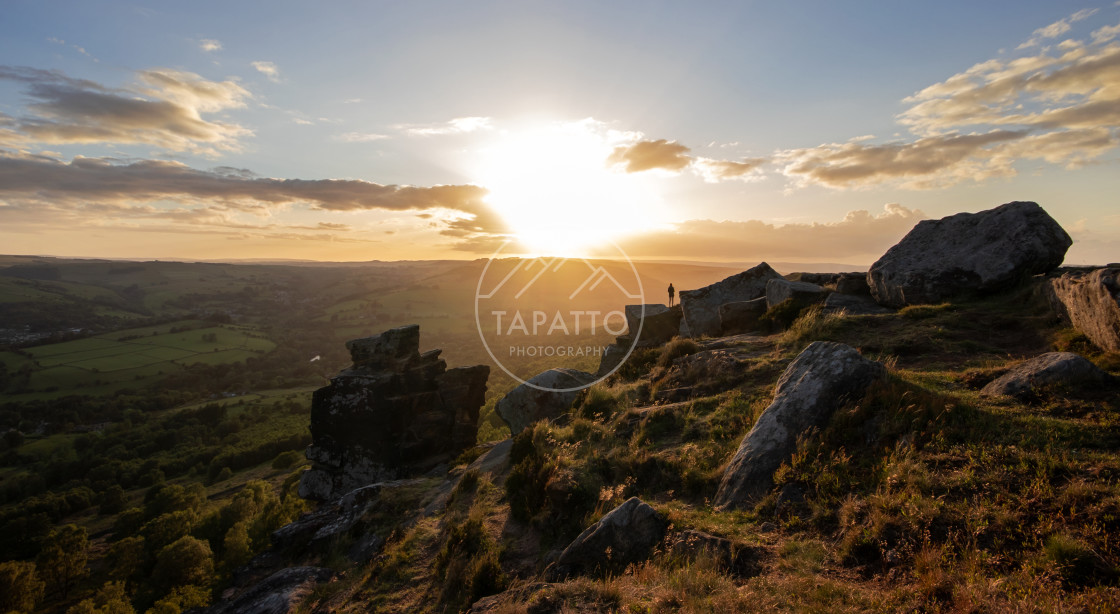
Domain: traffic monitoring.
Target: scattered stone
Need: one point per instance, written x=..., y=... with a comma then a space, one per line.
x=810, y=390
x=394, y=412
x=1051, y=369
x=280, y=593
x=701, y=307
x=528, y=403
x=627, y=534
x=854, y=305
x=659, y=325
x=781, y=290
x=853, y=283
x=1090, y=301
x=740, y=559
x=968, y=252
x=741, y=316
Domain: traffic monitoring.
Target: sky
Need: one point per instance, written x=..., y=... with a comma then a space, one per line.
x=810, y=131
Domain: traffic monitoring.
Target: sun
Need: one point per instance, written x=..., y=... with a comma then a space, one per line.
x=551, y=184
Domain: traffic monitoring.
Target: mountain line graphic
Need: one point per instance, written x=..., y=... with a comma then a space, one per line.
x=597, y=276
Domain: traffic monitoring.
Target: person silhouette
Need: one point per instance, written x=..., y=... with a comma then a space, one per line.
x=672, y=293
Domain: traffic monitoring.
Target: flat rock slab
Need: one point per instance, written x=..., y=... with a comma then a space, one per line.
x=528, y=403
x=1090, y=301
x=812, y=388
x=627, y=534
x=1052, y=369
x=968, y=252
x=701, y=307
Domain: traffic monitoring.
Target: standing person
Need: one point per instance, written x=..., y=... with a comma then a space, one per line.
x=672, y=293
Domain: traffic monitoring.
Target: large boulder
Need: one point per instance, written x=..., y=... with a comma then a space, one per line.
x=658, y=323
x=394, y=412
x=781, y=290
x=968, y=252
x=741, y=316
x=1090, y=301
x=1052, y=369
x=545, y=396
x=810, y=390
x=701, y=307
x=627, y=534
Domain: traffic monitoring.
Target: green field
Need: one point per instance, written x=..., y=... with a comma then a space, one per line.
x=133, y=357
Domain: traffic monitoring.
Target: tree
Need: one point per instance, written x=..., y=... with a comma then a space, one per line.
x=20, y=586
x=126, y=558
x=237, y=547
x=63, y=558
x=186, y=561
x=181, y=598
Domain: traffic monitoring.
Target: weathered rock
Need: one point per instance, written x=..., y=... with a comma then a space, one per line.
x=659, y=324
x=394, y=412
x=613, y=356
x=968, y=252
x=854, y=304
x=627, y=534
x=701, y=307
x=741, y=316
x=741, y=559
x=1090, y=301
x=528, y=403
x=333, y=520
x=1051, y=369
x=781, y=290
x=853, y=283
x=280, y=593
x=810, y=390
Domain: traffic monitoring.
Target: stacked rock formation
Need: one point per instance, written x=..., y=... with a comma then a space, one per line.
x=394, y=412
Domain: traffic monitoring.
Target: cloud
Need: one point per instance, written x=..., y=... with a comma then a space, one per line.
x=361, y=137
x=164, y=109
x=210, y=45
x=91, y=183
x=860, y=238
x=1059, y=105
x=714, y=171
x=649, y=155
x=1057, y=28
x=459, y=125
x=268, y=69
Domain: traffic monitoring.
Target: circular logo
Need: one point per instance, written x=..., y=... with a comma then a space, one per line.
x=536, y=314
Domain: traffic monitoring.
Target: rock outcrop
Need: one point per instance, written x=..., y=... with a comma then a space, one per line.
x=394, y=412
x=968, y=252
x=544, y=396
x=1051, y=369
x=658, y=324
x=701, y=307
x=781, y=290
x=627, y=534
x=741, y=316
x=810, y=390
x=854, y=305
x=1090, y=301
x=280, y=593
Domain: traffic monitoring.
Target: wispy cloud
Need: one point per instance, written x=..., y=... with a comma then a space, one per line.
x=210, y=45
x=361, y=137
x=1059, y=104
x=78, y=48
x=268, y=69
x=459, y=125
x=163, y=109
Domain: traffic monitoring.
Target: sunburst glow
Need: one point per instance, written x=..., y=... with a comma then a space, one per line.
x=552, y=186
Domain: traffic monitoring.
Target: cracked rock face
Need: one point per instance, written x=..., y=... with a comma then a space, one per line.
x=1090, y=301
x=394, y=412
x=701, y=307
x=968, y=252
x=811, y=389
